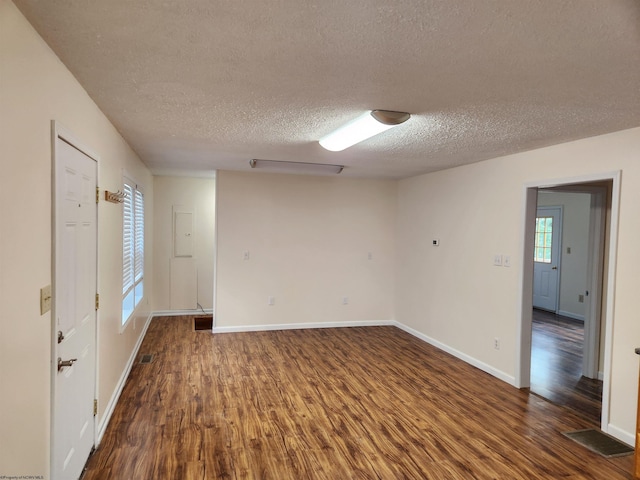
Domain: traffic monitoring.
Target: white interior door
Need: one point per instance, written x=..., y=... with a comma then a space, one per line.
x=74, y=316
x=546, y=257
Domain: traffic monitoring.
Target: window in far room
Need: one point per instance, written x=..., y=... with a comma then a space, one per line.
x=542, y=248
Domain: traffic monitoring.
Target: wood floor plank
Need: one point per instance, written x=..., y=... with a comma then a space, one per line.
x=369, y=403
x=556, y=365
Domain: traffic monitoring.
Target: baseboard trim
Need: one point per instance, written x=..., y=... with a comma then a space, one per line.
x=301, y=326
x=575, y=316
x=175, y=313
x=622, y=435
x=458, y=354
x=108, y=412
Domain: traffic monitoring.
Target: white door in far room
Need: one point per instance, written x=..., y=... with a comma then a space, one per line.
x=74, y=315
x=546, y=258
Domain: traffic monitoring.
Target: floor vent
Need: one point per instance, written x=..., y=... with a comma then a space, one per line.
x=600, y=443
x=203, y=322
x=146, y=359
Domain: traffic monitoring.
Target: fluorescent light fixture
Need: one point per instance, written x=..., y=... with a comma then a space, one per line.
x=365, y=126
x=295, y=167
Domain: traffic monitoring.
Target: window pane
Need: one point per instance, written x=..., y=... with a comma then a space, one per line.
x=132, y=249
x=139, y=291
x=543, y=239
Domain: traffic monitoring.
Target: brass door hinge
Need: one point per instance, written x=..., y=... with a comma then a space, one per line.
x=95, y=407
x=97, y=301
x=97, y=194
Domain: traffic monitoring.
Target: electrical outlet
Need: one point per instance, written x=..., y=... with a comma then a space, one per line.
x=345, y=300
x=369, y=256
x=45, y=299
x=496, y=343
x=435, y=242
x=246, y=255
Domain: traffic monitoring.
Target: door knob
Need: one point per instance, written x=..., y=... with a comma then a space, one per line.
x=554, y=268
x=65, y=363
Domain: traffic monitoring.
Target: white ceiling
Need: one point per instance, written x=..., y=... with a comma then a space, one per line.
x=196, y=85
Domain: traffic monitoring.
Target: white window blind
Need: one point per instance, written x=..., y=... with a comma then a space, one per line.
x=132, y=249
x=139, y=236
x=127, y=241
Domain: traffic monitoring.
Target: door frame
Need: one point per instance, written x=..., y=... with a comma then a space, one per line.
x=558, y=247
x=58, y=131
x=530, y=197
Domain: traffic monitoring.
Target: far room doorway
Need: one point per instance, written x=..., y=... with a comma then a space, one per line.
x=569, y=232
x=566, y=361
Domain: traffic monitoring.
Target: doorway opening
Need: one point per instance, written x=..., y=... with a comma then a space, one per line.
x=565, y=349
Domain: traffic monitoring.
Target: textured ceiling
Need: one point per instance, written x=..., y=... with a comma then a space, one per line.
x=197, y=85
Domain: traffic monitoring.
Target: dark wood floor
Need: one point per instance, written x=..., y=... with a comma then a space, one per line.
x=350, y=403
x=556, y=365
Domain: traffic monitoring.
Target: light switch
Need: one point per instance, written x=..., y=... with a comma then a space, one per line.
x=507, y=261
x=497, y=260
x=45, y=299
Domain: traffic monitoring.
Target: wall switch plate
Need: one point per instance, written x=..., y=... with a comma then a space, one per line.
x=271, y=300
x=497, y=260
x=345, y=300
x=369, y=256
x=506, y=261
x=246, y=255
x=45, y=299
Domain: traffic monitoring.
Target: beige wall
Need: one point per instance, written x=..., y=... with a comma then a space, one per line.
x=454, y=295
x=35, y=88
x=308, y=240
x=196, y=195
x=576, y=211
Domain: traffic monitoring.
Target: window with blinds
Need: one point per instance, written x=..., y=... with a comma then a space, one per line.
x=132, y=249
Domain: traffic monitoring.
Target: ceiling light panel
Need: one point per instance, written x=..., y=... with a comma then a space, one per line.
x=365, y=126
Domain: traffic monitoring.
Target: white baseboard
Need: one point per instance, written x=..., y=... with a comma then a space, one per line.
x=175, y=313
x=106, y=416
x=299, y=326
x=575, y=316
x=462, y=356
x=622, y=435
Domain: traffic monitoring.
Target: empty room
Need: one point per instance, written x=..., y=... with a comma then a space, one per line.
x=209, y=274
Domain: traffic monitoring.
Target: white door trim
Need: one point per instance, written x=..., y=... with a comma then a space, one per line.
x=58, y=131
x=523, y=353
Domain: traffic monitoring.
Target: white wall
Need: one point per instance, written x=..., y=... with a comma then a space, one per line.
x=454, y=295
x=196, y=195
x=308, y=240
x=35, y=87
x=576, y=208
